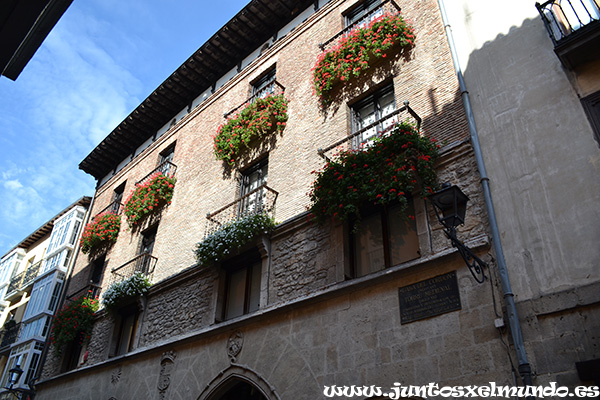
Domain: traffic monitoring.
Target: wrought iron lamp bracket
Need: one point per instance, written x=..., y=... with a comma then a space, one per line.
x=474, y=263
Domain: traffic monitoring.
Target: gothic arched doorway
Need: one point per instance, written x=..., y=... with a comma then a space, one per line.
x=237, y=389
x=238, y=383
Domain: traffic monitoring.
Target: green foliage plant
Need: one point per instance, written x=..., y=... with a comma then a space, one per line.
x=388, y=170
x=149, y=196
x=231, y=237
x=125, y=291
x=73, y=322
x=358, y=50
x=260, y=118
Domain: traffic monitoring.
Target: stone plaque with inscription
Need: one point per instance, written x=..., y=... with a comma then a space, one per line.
x=428, y=298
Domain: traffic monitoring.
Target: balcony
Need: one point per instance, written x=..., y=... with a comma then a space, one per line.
x=386, y=7
x=271, y=88
x=91, y=290
x=574, y=28
x=381, y=127
x=9, y=334
x=21, y=281
x=166, y=168
x=258, y=201
x=144, y=264
x=113, y=208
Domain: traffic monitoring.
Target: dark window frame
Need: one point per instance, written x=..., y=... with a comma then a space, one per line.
x=264, y=84
x=385, y=213
x=251, y=261
x=591, y=106
x=374, y=98
x=119, y=333
x=357, y=12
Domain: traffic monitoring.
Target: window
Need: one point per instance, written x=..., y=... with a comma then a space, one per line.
x=265, y=85
x=126, y=330
x=117, y=198
x=591, y=105
x=148, y=239
x=357, y=14
x=373, y=115
x=165, y=160
x=241, y=291
x=384, y=238
x=252, y=179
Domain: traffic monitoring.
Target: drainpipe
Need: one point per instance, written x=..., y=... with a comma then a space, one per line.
x=511, y=310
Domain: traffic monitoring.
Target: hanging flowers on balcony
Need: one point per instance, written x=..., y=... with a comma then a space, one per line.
x=261, y=117
x=103, y=230
x=355, y=51
x=231, y=237
x=149, y=196
x=387, y=171
x=120, y=293
x=73, y=322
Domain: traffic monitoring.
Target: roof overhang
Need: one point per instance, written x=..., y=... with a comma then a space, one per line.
x=244, y=33
x=23, y=27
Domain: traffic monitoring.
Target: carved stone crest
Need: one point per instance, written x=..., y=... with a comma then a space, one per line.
x=116, y=376
x=166, y=367
x=234, y=345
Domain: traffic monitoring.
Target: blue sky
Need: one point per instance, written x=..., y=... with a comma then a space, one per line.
x=101, y=60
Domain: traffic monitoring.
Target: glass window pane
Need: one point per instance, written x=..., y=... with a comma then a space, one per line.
x=404, y=242
x=368, y=246
x=254, y=301
x=236, y=294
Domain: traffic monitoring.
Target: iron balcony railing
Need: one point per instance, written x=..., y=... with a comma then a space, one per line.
x=91, y=290
x=167, y=168
x=258, y=201
x=563, y=17
x=386, y=7
x=15, y=283
x=10, y=335
x=356, y=140
x=144, y=264
x=114, y=208
x=273, y=87
x=25, y=278
x=30, y=274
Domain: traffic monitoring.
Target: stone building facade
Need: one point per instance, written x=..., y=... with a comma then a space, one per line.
x=534, y=90
x=306, y=318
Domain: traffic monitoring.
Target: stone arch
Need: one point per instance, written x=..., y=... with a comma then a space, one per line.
x=238, y=377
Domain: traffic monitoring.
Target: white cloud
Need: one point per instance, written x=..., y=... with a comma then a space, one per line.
x=12, y=185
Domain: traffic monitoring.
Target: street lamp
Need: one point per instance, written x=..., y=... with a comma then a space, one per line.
x=450, y=206
x=14, y=374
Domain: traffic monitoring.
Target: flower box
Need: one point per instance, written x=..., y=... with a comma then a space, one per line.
x=124, y=292
x=358, y=50
x=231, y=237
x=101, y=231
x=148, y=197
x=389, y=170
x=258, y=119
x=73, y=322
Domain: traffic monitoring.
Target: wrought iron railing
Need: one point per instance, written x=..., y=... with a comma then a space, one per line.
x=563, y=17
x=30, y=274
x=381, y=127
x=91, y=290
x=144, y=264
x=388, y=6
x=258, y=201
x=10, y=335
x=272, y=87
x=167, y=168
x=114, y=208
x=15, y=283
